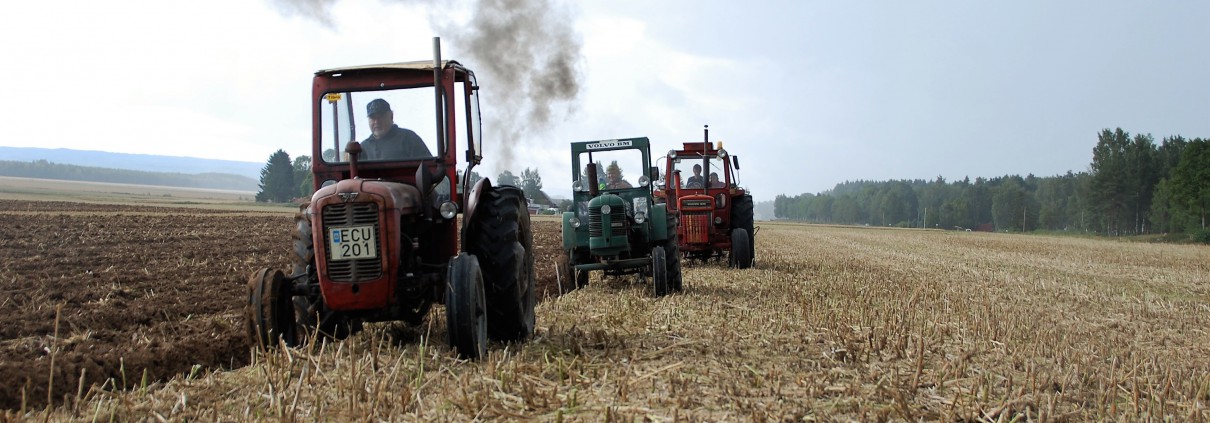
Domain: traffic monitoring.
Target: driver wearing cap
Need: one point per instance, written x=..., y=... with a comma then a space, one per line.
x=387, y=141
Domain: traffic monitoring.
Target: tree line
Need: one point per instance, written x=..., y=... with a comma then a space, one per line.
x=44, y=169
x=1133, y=186
x=283, y=180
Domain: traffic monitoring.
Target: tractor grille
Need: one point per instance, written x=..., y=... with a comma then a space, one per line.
x=617, y=218
x=695, y=228
x=347, y=214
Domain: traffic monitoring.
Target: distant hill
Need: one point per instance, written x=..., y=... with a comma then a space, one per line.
x=142, y=169
x=139, y=162
x=42, y=169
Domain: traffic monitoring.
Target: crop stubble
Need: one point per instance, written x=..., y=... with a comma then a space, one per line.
x=833, y=323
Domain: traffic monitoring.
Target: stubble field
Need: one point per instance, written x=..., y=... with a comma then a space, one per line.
x=832, y=324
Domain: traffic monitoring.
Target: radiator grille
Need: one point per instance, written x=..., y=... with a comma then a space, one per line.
x=348, y=214
x=617, y=218
x=695, y=228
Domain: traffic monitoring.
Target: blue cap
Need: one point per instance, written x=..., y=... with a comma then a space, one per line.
x=378, y=105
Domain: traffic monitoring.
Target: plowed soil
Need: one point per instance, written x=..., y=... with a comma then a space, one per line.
x=117, y=294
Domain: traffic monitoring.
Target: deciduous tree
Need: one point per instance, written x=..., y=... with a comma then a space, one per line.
x=507, y=178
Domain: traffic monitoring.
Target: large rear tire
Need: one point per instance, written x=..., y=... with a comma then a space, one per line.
x=502, y=239
x=659, y=271
x=742, y=218
x=270, y=310
x=465, y=307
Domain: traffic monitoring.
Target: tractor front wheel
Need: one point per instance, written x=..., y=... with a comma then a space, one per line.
x=465, y=307
x=309, y=308
x=570, y=279
x=742, y=218
x=659, y=271
x=270, y=310
x=672, y=250
x=741, y=250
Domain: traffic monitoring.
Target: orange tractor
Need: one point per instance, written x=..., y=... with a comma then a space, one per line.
x=715, y=213
x=381, y=238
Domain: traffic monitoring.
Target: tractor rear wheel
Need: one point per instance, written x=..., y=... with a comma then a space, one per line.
x=270, y=310
x=502, y=239
x=741, y=251
x=659, y=271
x=465, y=307
x=742, y=218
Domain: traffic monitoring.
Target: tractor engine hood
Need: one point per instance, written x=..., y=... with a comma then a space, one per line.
x=402, y=197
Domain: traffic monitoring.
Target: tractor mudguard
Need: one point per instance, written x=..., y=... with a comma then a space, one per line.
x=472, y=201
x=659, y=219
x=569, y=233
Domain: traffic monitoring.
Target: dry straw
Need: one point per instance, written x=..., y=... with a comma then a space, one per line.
x=832, y=324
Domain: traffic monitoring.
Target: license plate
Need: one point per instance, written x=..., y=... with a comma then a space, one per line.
x=352, y=242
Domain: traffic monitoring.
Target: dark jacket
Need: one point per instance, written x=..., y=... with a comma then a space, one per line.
x=398, y=144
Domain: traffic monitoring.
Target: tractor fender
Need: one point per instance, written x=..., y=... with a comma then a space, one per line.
x=472, y=203
x=569, y=233
x=659, y=222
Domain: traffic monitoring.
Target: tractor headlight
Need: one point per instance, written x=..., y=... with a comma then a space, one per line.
x=722, y=154
x=605, y=209
x=575, y=222
x=640, y=209
x=448, y=210
x=578, y=185
x=644, y=181
x=718, y=220
x=671, y=154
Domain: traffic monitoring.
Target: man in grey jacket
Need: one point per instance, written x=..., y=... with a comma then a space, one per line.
x=387, y=141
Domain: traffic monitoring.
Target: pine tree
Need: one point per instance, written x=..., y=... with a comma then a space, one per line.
x=277, y=179
x=1191, y=183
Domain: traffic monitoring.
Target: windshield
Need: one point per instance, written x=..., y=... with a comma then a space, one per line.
x=616, y=169
x=391, y=124
x=695, y=176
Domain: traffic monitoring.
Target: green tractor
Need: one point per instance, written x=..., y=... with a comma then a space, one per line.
x=615, y=226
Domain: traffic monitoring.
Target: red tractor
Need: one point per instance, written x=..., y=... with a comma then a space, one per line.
x=380, y=239
x=715, y=212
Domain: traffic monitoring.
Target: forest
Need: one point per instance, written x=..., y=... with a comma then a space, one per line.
x=1133, y=186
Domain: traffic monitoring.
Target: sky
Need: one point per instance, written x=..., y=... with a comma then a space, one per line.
x=807, y=94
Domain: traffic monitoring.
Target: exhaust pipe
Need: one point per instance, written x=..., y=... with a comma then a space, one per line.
x=437, y=97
